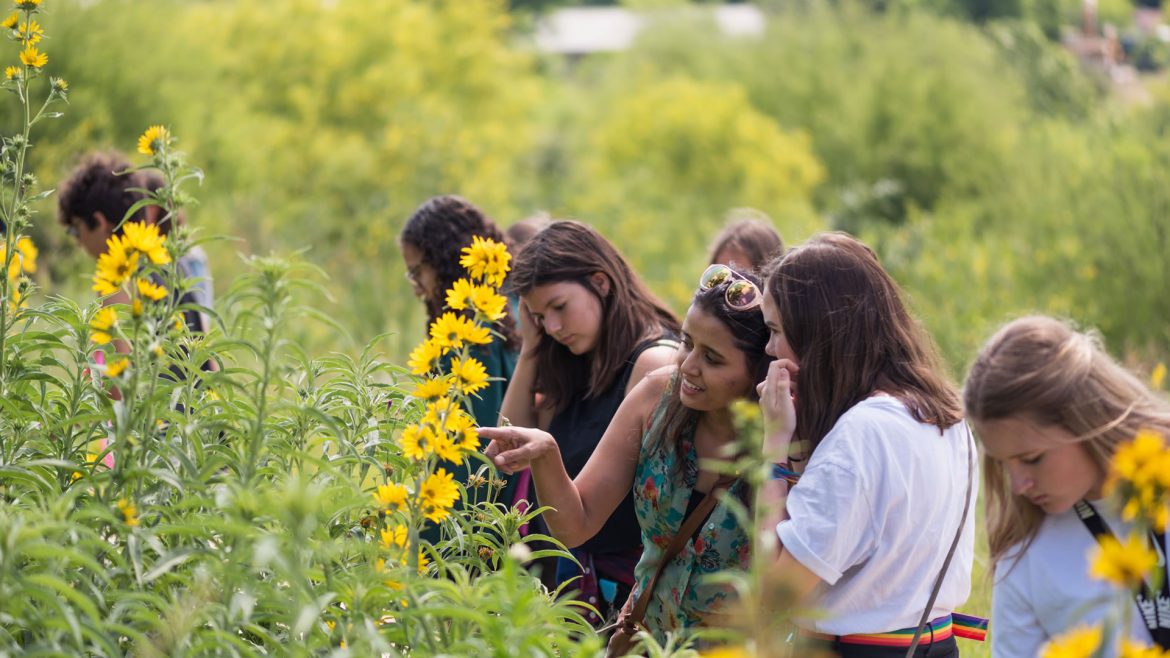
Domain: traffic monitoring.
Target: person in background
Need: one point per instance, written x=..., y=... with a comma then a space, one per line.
x=431, y=243
x=747, y=241
x=658, y=444
x=522, y=230
x=94, y=202
x=1050, y=407
x=591, y=330
x=858, y=401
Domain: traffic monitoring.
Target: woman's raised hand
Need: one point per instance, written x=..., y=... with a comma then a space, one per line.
x=515, y=448
x=529, y=328
x=778, y=406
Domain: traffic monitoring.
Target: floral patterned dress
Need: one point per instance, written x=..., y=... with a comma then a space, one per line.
x=663, y=483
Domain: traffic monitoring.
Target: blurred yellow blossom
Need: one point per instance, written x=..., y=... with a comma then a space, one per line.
x=1125, y=565
x=1158, y=376
x=1141, y=476
x=395, y=535
x=30, y=32
x=1080, y=642
x=11, y=22
x=418, y=442
x=129, y=512
x=117, y=367
x=1131, y=649
x=23, y=260
x=151, y=290
x=11, y=72
x=102, y=322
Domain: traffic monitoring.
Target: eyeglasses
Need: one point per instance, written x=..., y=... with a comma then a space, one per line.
x=412, y=273
x=72, y=230
x=741, y=293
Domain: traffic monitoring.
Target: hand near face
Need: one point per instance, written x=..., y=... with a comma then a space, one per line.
x=779, y=409
x=515, y=448
x=530, y=330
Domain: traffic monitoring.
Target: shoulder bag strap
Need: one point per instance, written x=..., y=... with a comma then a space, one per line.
x=951, y=553
x=685, y=532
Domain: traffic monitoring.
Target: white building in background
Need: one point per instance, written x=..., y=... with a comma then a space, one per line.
x=584, y=30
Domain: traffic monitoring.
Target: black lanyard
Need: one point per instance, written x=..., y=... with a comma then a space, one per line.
x=1155, y=610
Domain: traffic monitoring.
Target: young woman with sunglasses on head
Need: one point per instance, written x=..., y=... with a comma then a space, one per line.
x=671, y=422
x=1050, y=407
x=887, y=486
x=591, y=331
x=431, y=243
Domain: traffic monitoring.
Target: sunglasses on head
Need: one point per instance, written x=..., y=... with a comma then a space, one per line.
x=741, y=294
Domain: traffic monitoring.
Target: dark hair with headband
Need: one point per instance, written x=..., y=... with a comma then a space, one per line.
x=852, y=334
x=569, y=251
x=750, y=336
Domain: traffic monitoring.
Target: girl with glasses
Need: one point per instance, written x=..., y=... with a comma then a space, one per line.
x=857, y=400
x=656, y=445
x=1051, y=407
x=431, y=243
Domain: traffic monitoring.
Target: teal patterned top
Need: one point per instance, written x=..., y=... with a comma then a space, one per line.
x=663, y=482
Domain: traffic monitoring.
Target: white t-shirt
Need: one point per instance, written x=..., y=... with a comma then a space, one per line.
x=1047, y=589
x=874, y=515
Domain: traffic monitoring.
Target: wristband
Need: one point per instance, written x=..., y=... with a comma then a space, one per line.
x=783, y=472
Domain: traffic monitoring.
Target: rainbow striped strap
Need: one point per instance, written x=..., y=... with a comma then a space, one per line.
x=970, y=627
x=957, y=625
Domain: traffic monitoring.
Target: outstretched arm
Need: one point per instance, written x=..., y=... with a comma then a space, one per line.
x=581, y=506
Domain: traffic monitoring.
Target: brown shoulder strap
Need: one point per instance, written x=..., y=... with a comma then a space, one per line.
x=685, y=532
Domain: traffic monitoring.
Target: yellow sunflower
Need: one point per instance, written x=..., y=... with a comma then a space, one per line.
x=114, y=267
x=460, y=294
x=432, y=389
x=446, y=448
x=418, y=442
x=486, y=260
x=438, y=494
x=425, y=357
x=30, y=32
x=33, y=58
x=469, y=375
x=450, y=331
x=390, y=497
x=11, y=22
x=152, y=140
x=102, y=322
x=489, y=303
x=11, y=72
x=146, y=238
x=151, y=290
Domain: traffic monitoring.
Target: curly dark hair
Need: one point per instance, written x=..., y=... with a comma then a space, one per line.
x=440, y=228
x=97, y=185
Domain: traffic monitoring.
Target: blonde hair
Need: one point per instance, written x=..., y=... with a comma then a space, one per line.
x=1047, y=372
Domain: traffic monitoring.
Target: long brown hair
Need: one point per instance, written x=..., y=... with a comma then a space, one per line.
x=1044, y=370
x=852, y=334
x=569, y=251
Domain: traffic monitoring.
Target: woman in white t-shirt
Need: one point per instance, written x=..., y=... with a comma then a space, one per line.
x=879, y=505
x=1050, y=408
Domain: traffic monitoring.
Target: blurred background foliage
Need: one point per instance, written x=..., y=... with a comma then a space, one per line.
x=991, y=173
